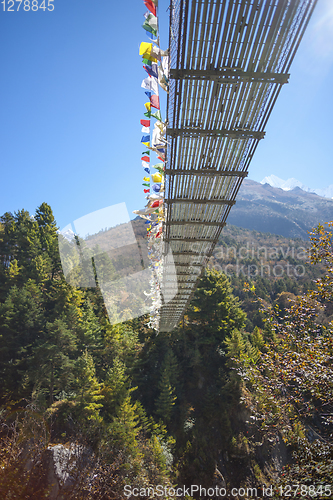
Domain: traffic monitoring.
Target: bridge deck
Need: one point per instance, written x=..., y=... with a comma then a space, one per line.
x=229, y=60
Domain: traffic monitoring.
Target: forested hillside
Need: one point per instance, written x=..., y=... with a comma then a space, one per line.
x=279, y=269
x=232, y=398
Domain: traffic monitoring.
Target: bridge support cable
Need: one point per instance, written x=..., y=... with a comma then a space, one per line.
x=228, y=62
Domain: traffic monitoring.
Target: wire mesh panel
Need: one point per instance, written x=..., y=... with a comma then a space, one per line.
x=228, y=62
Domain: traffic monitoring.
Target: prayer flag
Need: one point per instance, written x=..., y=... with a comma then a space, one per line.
x=147, y=106
x=146, y=153
x=152, y=70
x=150, y=6
x=148, y=27
x=145, y=123
x=146, y=179
x=145, y=47
x=157, y=139
x=155, y=196
x=160, y=169
x=161, y=126
x=145, y=158
x=155, y=101
x=145, y=164
x=157, y=188
x=157, y=115
x=148, y=114
x=145, y=130
x=156, y=204
x=147, y=170
x=163, y=72
x=157, y=177
x=147, y=61
x=146, y=190
x=163, y=81
x=156, y=53
x=145, y=138
x=146, y=51
x=151, y=84
x=148, y=94
x=165, y=65
x=144, y=184
x=146, y=144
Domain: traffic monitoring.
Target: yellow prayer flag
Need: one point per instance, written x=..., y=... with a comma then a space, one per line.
x=146, y=51
x=157, y=177
x=145, y=48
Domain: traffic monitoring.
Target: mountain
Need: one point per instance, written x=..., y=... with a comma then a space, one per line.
x=292, y=183
x=269, y=209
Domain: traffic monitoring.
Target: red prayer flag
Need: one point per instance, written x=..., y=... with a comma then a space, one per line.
x=156, y=204
x=162, y=159
x=146, y=190
x=145, y=123
x=145, y=158
x=155, y=101
x=150, y=6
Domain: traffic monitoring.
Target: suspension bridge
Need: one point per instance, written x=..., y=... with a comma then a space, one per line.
x=228, y=62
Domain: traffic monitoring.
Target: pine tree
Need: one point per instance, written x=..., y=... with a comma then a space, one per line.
x=88, y=327
x=89, y=390
x=166, y=399
x=236, y=347
x=26, y=241
x=116, y=387
x=123, y=438
x=48, y=238
x=214, y=311
x=21, y=323
x=52, y=361
x=257, y=339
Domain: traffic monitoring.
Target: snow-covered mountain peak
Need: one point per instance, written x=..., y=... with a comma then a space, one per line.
x=291, y=183
x=287, y=185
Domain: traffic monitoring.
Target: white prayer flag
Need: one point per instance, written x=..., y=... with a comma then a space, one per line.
x=151, y=84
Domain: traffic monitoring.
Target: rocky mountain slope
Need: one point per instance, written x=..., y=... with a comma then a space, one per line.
x=292, y=214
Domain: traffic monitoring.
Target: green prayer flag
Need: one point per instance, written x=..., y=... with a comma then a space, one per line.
x=157, y=115
x=159, y=167
x=145, y=184
x=146, y=61
x=150, y=24
x=148, y=114
x=146, y=153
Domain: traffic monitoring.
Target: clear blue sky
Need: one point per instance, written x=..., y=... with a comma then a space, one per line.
x=71, y=104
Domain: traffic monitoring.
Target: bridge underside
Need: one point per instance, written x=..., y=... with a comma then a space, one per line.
x=229, y=60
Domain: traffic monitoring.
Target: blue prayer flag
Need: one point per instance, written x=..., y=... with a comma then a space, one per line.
x=152, y=70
